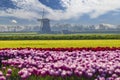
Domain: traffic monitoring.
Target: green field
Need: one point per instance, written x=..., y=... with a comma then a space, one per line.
x=58, y=43
x=33, y=36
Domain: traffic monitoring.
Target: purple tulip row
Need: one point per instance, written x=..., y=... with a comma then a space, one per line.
x=101, y=65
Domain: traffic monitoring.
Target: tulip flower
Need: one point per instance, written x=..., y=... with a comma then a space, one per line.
x=9, y=71
x=8, y=75
x=2, y=78
x=1, y=74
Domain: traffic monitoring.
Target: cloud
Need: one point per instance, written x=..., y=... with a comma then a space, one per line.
x=14, y=21
x=32, y=9
x=93, y=8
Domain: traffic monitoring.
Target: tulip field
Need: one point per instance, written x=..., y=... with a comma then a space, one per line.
x=60, y=59
x=100, y=63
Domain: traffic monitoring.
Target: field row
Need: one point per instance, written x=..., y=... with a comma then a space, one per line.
x=58, y=43
x=60, y=37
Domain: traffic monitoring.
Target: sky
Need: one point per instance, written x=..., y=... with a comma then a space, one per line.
x=26, y=12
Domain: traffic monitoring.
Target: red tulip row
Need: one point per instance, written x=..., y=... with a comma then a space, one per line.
x=68, y=49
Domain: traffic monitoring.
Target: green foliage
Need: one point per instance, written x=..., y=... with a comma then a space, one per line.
x=60, y=37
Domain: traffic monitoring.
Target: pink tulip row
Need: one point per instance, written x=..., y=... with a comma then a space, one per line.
x=102, y=65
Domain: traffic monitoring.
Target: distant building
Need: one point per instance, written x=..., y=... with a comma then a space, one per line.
x=102, y=27
x=66, y=32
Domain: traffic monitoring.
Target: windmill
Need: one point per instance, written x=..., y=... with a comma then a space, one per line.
x=45, y=24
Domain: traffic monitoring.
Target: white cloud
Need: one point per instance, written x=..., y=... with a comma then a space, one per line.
x=31, y=9
x=14, y=21
x=93, y=8
x=23, y=14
